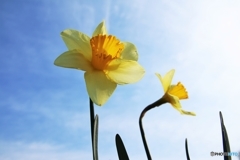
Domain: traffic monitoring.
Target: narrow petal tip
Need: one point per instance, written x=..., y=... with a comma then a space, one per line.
x=100, y=29
x=188, y=113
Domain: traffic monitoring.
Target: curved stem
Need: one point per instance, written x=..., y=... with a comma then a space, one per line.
x=153, y=105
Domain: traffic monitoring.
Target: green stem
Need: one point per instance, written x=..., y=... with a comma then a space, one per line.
x=92, y=123
x=186, y=149
x=151, y=106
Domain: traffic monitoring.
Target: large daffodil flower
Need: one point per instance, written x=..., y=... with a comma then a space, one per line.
x=173, y=93
x=106, y=61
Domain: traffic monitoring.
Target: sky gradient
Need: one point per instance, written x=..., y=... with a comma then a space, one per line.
x=44, y=109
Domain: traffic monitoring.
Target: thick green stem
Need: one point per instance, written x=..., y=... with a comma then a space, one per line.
x=92, y=123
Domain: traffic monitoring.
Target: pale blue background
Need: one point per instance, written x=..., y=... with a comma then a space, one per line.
x=44, y=112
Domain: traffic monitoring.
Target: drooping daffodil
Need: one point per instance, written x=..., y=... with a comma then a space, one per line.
x=105, y=59
x=174, y=93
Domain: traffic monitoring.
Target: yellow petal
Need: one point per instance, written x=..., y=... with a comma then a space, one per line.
x=129, y=52
x=174, y=101
x=101, y=29
x=124, y=71
x=73, y=59
x=188, y=113
x=99, y=87
x=166, y=80
x=77, y=40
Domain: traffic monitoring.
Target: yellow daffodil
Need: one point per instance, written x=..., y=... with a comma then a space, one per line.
x=106, y=61
x=173, y=93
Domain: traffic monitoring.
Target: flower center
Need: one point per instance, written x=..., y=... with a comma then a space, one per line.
x=105, y=49
x=179, y=91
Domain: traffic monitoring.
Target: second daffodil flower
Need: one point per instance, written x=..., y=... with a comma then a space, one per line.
x=106, y=61
x=173, y=93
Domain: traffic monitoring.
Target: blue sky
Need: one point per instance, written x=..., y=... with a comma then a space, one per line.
x=44, y=110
